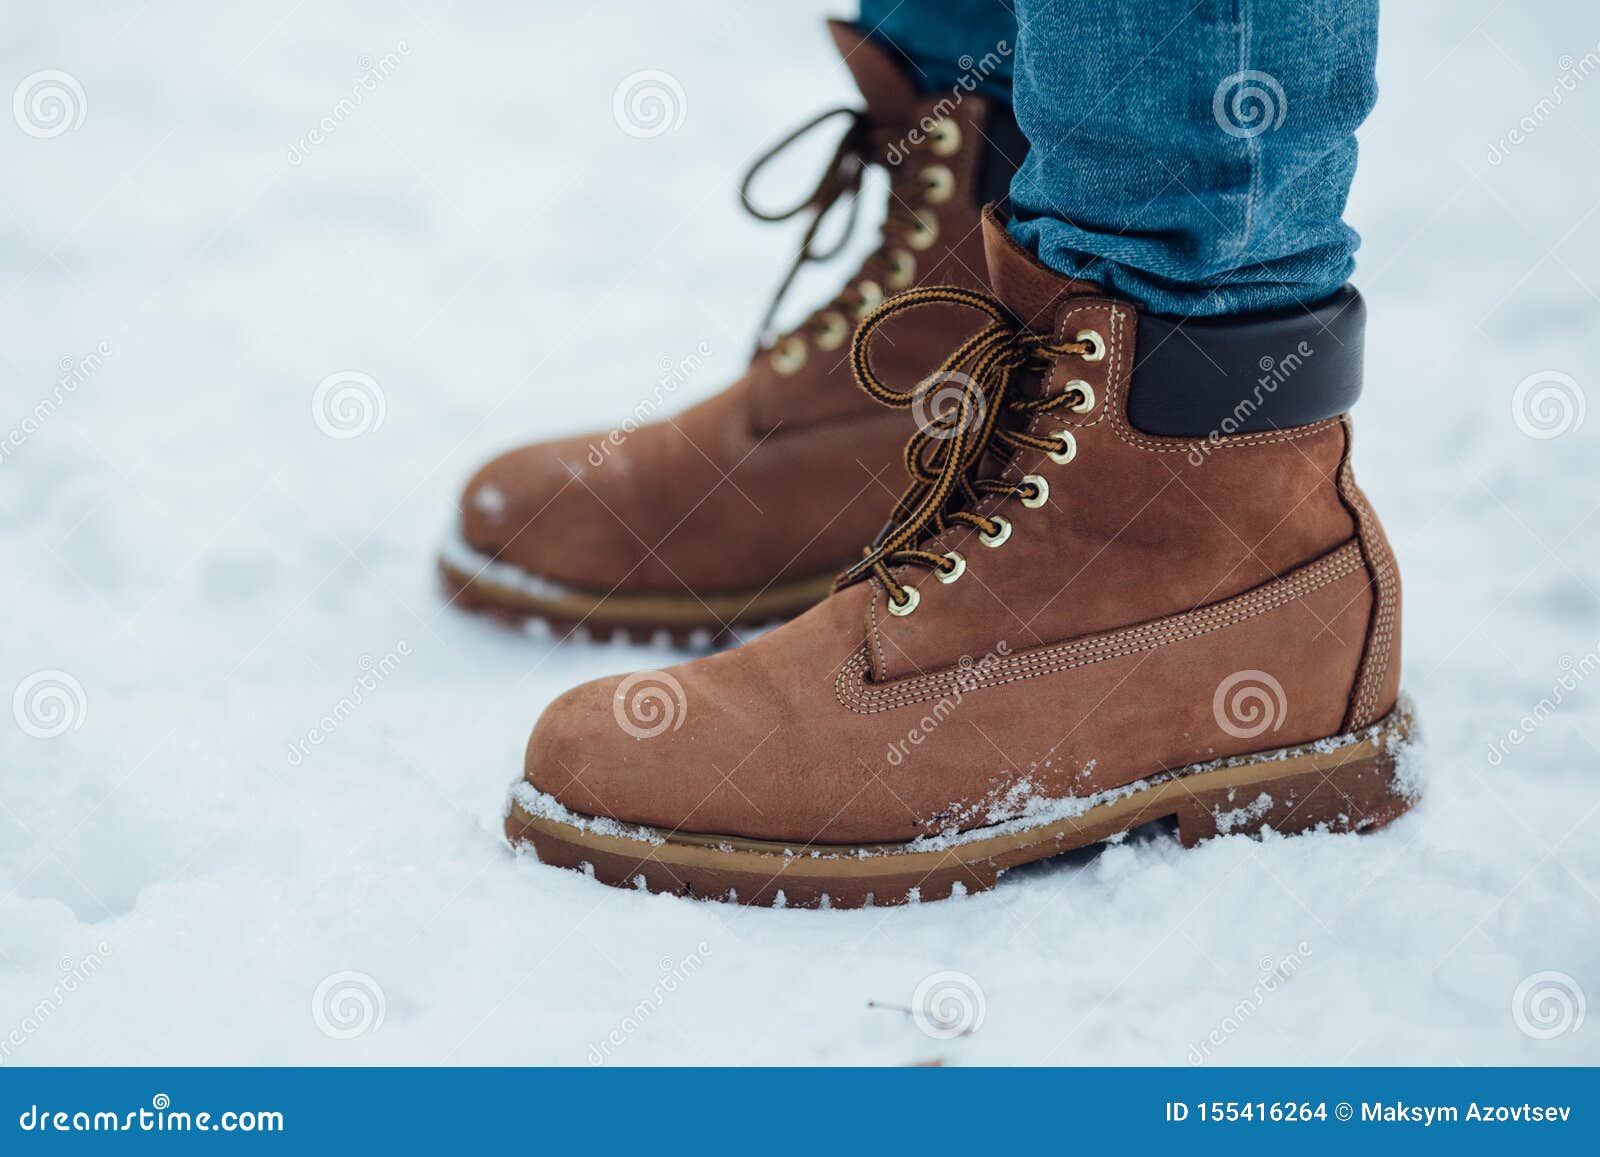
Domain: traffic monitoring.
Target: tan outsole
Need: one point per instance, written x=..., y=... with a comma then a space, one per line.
x=1349, y=785
x=682, y=620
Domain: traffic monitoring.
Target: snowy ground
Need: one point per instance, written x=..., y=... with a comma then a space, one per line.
x=182, y=540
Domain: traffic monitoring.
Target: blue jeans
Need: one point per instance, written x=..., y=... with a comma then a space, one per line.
x=1194, y=157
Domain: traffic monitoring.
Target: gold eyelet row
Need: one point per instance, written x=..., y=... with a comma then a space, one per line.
x=1003, y=526
x=789, y=355
x=939, y=181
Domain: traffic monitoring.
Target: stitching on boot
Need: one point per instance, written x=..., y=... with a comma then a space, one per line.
x=1380, y=636
x=856, y=694
x=877, y=630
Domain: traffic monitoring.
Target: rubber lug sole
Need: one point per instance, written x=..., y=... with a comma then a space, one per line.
x=659, y=619
x=1345, y=784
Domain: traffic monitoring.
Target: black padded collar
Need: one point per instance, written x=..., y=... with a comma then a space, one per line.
x=1204, y=377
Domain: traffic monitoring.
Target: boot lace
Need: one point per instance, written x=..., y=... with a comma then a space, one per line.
x=906, y=228
x=976, y=420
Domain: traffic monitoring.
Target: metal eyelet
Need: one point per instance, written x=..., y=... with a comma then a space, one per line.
x=871, y=297
x=998, y=538
x=958, y=567
x=941, y=184
x=926, y=232
x=1093, y=337
x=1084, y=388
x=902, y=269
x=945, y=137
x=905, y=608
x=834, y=329
x=789, y=355
x=1069, y=447
x=1041, y=491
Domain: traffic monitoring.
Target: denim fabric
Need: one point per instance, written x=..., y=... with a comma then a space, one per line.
x=1194, y=157
x=936, y=36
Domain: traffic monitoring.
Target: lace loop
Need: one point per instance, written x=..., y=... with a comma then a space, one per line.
x=840, y=179
x=905, y=227
x=981, y=419
x=836, y=178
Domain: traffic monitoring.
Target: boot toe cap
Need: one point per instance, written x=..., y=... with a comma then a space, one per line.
x=618, y=748
x=514, y=505
x=629, y=748
x=578, y=755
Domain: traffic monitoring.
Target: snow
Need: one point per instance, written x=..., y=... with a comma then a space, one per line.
x=453, y=548
x=1240, y=816
x=201, y=572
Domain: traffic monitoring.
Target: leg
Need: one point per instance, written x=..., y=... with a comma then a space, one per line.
x=1194, y=157
x=934, y=37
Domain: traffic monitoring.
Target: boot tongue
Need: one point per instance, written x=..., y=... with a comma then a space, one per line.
x=888, y=91
x=1030, y=290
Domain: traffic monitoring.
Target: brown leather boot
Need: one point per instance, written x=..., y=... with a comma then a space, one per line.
x=1133, y=578
x=741, y=510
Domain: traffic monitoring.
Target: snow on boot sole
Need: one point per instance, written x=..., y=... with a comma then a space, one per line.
x=1348, y=783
